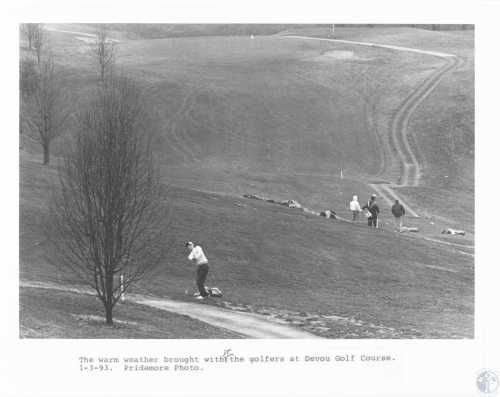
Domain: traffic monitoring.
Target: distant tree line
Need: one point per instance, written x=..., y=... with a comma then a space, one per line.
x=159, y=30
x=443, y=26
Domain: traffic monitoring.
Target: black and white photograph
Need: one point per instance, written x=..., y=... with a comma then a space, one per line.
x=246, y=199
x=258, y=180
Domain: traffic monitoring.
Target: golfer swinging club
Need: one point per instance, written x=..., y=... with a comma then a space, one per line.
x=197, y=255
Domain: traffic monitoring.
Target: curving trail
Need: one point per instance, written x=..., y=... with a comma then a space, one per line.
x=248, y=324
x=410, y=172
x=410, y=168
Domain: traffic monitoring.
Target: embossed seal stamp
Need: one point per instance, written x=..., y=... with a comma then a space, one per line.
x=487, y=381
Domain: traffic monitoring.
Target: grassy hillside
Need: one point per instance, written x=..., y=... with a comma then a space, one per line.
x=443, y=126
x=267, y=255
x=255, y=107
x=135, y=31
x=160, y=30
x=262, y=104
x=280, y=117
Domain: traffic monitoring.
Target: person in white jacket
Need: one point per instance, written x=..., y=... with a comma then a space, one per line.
x=197, y=255
x=355, y=208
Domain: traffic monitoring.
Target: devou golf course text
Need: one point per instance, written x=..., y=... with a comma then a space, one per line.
x=200, y=363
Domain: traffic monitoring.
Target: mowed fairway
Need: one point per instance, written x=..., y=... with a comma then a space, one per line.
x=270, y=107
x=280, y=118
x=239, y=115
x=268, y=256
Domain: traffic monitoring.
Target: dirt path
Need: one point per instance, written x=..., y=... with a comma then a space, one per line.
x=411, y=173
x=247, y=324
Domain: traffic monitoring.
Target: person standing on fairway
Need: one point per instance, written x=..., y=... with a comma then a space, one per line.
x=398, y=211
x=197, y=255
x=372, y=207
x=355, y=208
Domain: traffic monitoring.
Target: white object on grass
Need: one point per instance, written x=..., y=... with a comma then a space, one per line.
x=453, y=232
x=404, y=229
x=122, y=289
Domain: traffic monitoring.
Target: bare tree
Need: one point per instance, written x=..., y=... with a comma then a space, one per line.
x=110, y=216
x=29, y=30
x=44, y=111
x=28, y=84
x=28, y=77
x=39, y=41
x=104, y=52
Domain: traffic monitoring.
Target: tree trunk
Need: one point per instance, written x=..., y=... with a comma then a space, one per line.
x=46, y=154
x=103, y=71
x=109, y=314
x=109, y=298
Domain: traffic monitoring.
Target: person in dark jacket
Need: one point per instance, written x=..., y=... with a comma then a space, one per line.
x=374, y=210
x=398, y=211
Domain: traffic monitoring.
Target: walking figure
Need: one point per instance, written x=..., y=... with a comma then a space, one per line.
x=398, y=211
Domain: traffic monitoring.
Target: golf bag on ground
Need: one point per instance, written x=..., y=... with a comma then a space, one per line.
x=214, y=292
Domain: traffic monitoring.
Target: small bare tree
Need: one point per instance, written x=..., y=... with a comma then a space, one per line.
x=29, y=30
x=110, y=216
x=28, y=78
x=28, y=85
x=103, y=51
x=44, y=108
x=39, y=41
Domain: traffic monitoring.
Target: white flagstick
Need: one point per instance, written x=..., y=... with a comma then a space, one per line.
x=341, y=174
x=122, y=289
